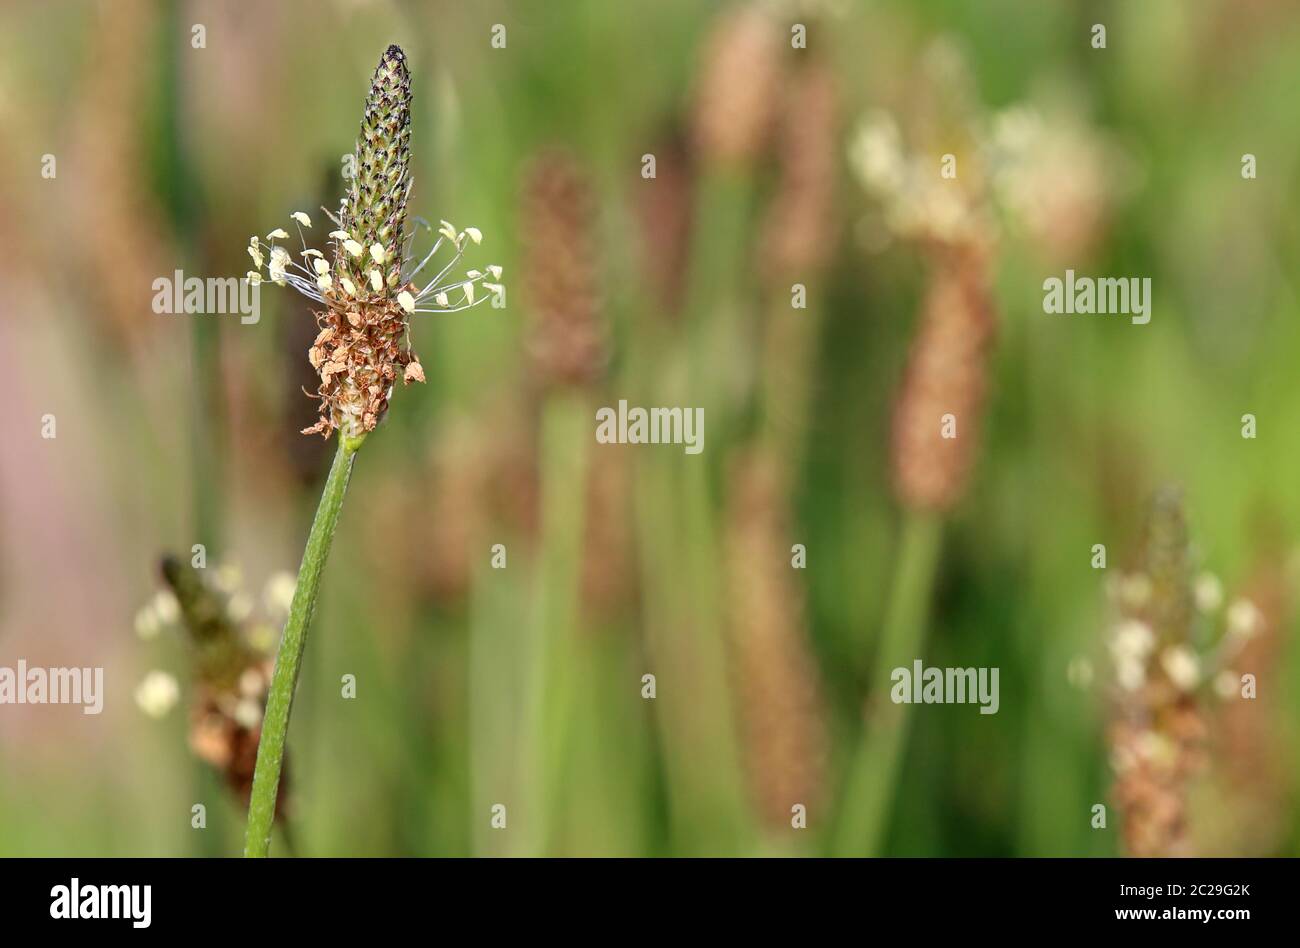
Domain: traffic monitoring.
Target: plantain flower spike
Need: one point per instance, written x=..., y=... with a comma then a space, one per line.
x=370, y=282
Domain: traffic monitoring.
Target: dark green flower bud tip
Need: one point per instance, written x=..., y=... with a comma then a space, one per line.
x=376, y=204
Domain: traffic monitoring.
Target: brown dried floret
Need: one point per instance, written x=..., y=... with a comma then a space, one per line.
x=361, y=348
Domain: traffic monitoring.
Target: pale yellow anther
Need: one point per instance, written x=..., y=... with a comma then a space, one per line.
x=376, y=280
x=301, y=218
x=475, y=234
x=377, y=252
x=348, y=287
x=406, y=301
x=468, y=287
x=278, y=234
x=254, y=278
x=279, y=262
x=147, y=622
x=340, y=235
x=325, y=282
x=496, y=271
x=352, y=247
x=441, y=300
x=320, y=266
x=157, y=694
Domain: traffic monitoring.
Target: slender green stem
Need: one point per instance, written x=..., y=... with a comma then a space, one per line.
x=275, y=724
x=717, y=295
x=677, y=556
x=874, y=770
x=564, y=451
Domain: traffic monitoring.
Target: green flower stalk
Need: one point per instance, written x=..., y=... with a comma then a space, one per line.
x=946, y=377
x=558, y=223
x=368, y=285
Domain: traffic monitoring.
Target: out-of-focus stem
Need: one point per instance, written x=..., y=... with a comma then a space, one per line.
x=288, y=661
x=874, y=771
x=789, y=360
x=715, y=304
x=566, y=431
x=677, y=554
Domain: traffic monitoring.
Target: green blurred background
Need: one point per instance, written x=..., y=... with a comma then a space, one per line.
x=179, y=430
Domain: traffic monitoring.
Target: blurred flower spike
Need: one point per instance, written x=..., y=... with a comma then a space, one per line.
x=230, y=661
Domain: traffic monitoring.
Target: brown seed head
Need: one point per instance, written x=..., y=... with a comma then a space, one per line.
x=797, y=234
x=738, y=85
x=360, y=352
x=782, y=720
x=946, y=375
x=557, y=224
